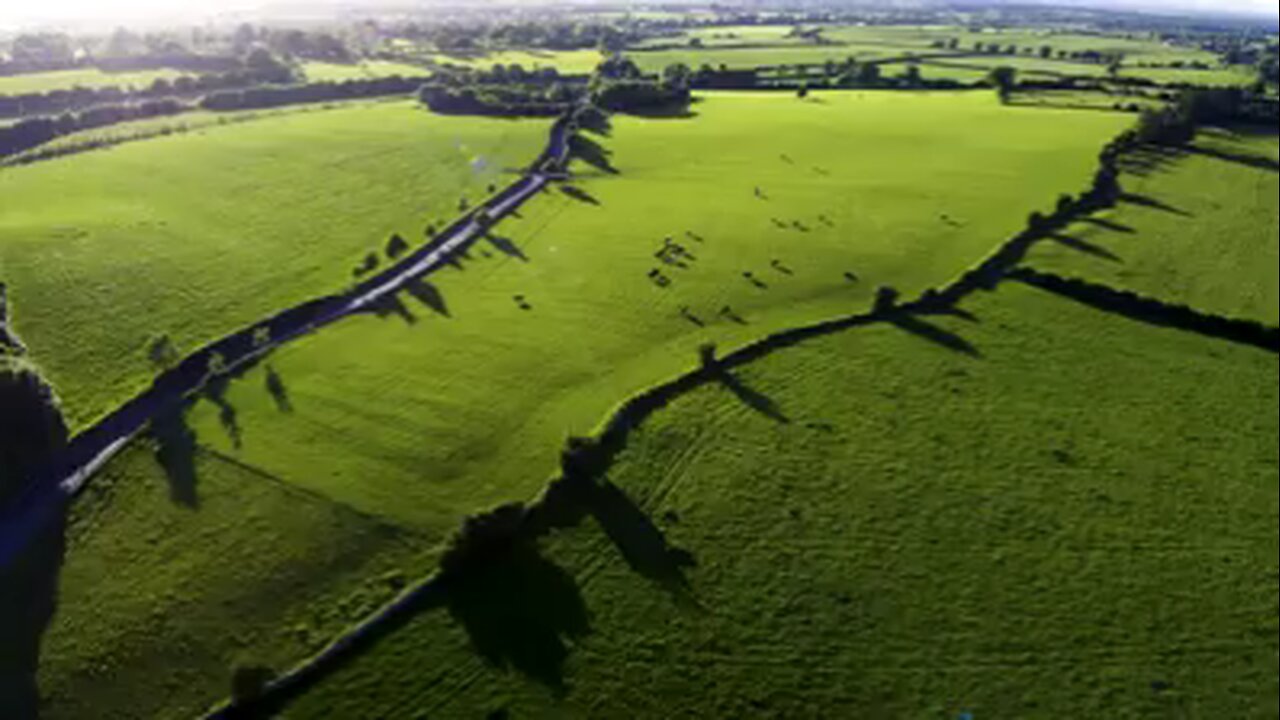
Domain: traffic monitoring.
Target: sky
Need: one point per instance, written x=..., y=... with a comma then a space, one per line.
x=18, y=12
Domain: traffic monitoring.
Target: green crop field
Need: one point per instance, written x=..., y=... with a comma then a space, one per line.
x=228, y=225
x=1210, y=239
x=415, y=420
x=85, y=77
x=334, y=72
x=1078, y=521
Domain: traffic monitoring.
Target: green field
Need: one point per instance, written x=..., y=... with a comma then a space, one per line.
x=655, y=60
x=162, y=599
x=84, y=77
x=414, y=424
x=569, y=62
x=436, y=445
x=1080, y=521
x=335, y=72
x=227, y=224
x=1211, y=239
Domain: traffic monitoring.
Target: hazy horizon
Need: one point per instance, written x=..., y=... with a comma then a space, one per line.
x=81, y=12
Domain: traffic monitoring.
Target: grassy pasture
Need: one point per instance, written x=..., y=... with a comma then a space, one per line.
x=655, y=60
x=160, y=600
x=427, y=421
x=335, y=72
x=227, y=225
x=1212, y=242
x=1081, y=521
x=83, y=77
x=569, y=62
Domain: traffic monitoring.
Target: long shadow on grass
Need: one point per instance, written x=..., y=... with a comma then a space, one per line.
x=1251, y=160
x=579, y=194
x=279, y=393
x=1152, y=203
x=519, y=611
x=1085, y=246
x=506, y=246
x=934, y=334
x=175, y=450
x=216, y=391
x=641, y=543
x=391, y=305
x=750, y=397
x=428, y=295
x=1111, y=225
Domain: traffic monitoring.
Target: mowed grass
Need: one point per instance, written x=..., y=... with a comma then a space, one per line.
x=83, y=77
x=368, y=69
x=1202, y=230
x=426, y=421
x=161, y=601
x=201, y=233
x=1080, y=522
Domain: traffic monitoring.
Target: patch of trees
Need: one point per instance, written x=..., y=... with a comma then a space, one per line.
x=264, y=70
x=640, y=96
x=267, y=97
x=496, y=100
x=33, y=132
x=552, y=35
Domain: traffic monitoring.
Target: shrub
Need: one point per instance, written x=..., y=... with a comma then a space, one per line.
x=396, y=246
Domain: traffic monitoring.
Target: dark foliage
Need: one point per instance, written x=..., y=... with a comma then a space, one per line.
x=483, y=539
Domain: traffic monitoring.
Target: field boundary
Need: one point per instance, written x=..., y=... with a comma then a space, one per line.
x=1152, y=311
x=584, y=461
x=50, y=488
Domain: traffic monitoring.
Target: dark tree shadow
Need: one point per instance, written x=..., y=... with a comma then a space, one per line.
x=1259, y=162
x=592, y=153
x=1085, y=246
x=175, y=450
x=429, y=295
x=391, y=305
x=1152, y=203
x=934, y=334
x=519, y=612
x=506, y=246
x=216, y=392
x=641, y=543
x=28, y=601
x=667, y=112
x=728, y=313
x=279, y=393
x=579, y=194
x=1111, y=225
x=750, y=397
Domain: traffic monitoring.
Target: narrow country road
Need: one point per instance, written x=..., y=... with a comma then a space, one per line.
x=48, y=491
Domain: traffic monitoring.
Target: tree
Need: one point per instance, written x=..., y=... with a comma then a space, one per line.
x=1004, y=79
x=802, y=92
x=869, y=74
x=676, y=75
x=1046, y=52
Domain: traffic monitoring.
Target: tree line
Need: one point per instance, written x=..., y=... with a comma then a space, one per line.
x=258, y=68
x=33, y=132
